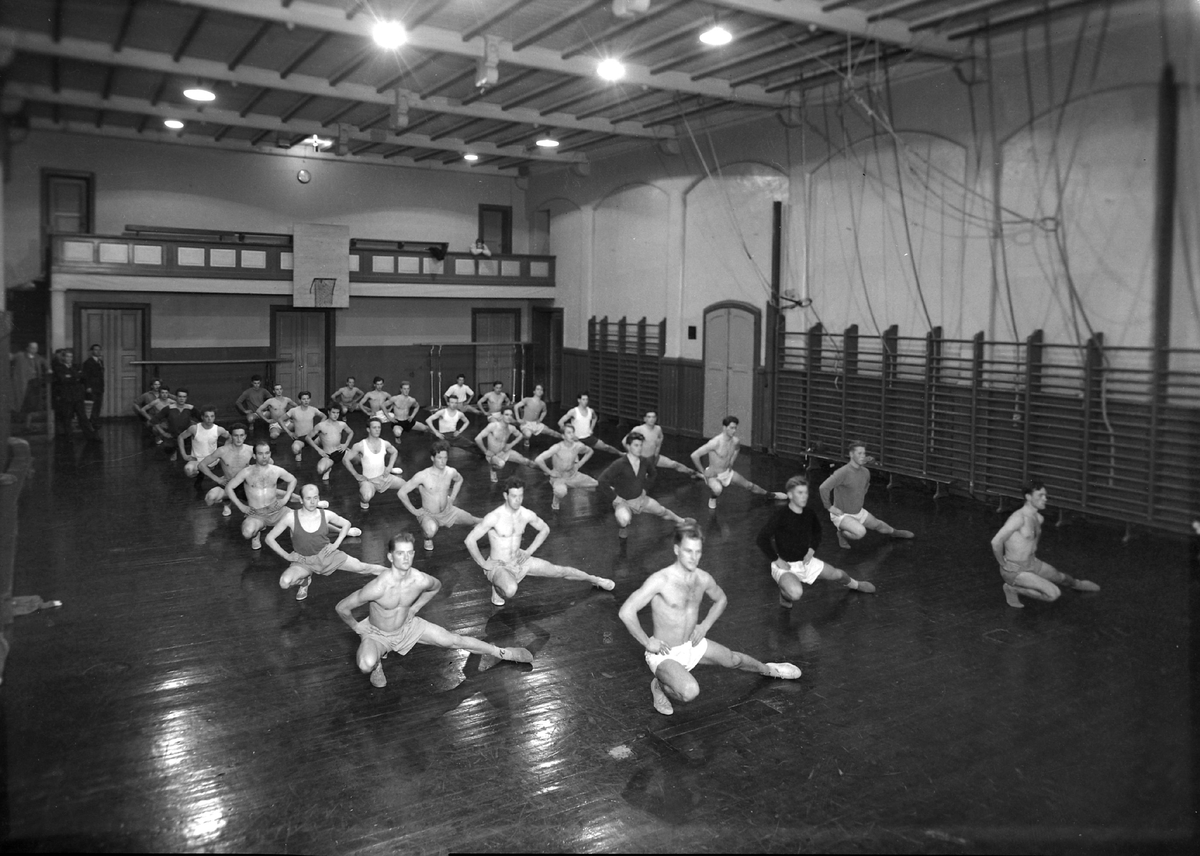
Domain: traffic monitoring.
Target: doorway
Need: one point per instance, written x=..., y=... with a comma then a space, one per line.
x=495, y=227
x=731, y=345
x=300, y=338
x=545, y=358
x=495, y=362
x=120, y=331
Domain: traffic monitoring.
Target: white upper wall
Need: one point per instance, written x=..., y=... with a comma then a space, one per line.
x=158, y=184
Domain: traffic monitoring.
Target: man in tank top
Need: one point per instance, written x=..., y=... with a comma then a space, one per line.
x=205, y=435
x=379, y=471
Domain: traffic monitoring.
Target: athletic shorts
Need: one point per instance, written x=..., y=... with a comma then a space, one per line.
x=498, y=460
x=268, y=517
x=860, y=516
x=518, y=567
x=573, y=480
x=1010, y=569
x=589, y=441
x=386, y=481
x=529, y=429
x=450, y=517
x=336, y=455
x=807, y=573
x=407, y=424
x=401, y=641
x=637, y=505
x=323, y=565
x=724, y=478
x=687, y=655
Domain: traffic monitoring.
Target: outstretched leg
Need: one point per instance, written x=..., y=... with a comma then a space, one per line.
x=443, y=638
x=542, y=568
x=659, y=510
x=739, y=479
x=718, y=655
x=876, y=525
x=829, y=572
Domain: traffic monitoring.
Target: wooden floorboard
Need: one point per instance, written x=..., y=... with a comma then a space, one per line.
x=180, y=701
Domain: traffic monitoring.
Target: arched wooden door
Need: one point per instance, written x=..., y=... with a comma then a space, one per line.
x=730, y=358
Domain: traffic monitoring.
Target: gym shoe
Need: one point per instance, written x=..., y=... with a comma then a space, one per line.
x=1085, y=585
x=603, y=584
x=322, y=503
x=1011, y=596
x=865, y=587
x=256, y=542
x=397, y=470
x=712, y=502
x=428, y=545
x=842, y=542
x=364, y=506
x=297, y=457
x=497, y=600
x=158, y=442
x=493, y=475
x=554, y=506
x=226, y=511
x=378, y=678
x=779, y=495
x=302, y=591
x=783, y=671
x=325, y=476
x=516, y=655
x=354, y=532
x=661, y=703
x=623, y=533
x=785, y=601
x=902, y=533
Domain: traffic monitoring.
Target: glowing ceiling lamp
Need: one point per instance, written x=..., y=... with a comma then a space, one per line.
x=610, y=69
x=318, y=143
x=199, y=93
x=470, y=156
x=389, y=34
x=173, y=124
x=716, y=35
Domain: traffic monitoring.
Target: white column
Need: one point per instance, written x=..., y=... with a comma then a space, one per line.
x=676, y=226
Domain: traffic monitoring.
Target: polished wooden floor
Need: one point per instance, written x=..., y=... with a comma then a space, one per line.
x=179, y=701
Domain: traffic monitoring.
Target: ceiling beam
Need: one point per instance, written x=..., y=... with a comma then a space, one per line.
x=250, y=44
x=101, y=53
x=126, y=21
x=319, y=17
x=498, y=14
x=252, y=147
x=272, y=124
x=319, y=43
x=186, y=41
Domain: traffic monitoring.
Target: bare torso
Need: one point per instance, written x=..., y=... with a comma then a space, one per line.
x=722, y=455
x=303, y=419
x=404, y=407
x=565, y=459
x=496, y=436
x=508, y=527
x=653, y=440
x=375, y=400
x=1022, y=544
x=675, y=608
x=277, y=407
x=260, y=483
x=329, y=435
x=392, y=595
x=532, y=409
x=434, y=485
x=234, y=459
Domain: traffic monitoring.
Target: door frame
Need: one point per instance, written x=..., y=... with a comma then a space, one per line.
x=330, y=321
x=518, y=369
x=553, y=383
x=80, y=347
x=756, y=393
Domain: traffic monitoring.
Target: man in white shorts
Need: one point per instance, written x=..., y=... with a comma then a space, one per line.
x=531, y=411
x=652, y=434
x=439, y=485
x=722, y=451
x=497, y=441
x=300, y=421
x=567, y=456
x=274, y=410
x=680, y=642
x=843, y=494
x=394, y=598
x=312, y=552
x=233, y=457
x=206, y=435
x=625, y=483
x=507, y=564
x=790, y=539
x=379, y=470
x=1015, y=548
x=330, y=437
x=584, y=420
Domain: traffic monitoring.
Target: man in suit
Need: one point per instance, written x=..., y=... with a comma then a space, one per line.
x=92, y=372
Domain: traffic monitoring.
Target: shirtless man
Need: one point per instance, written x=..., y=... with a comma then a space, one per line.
x=150, y=410
x=379, y=470
x=508, y=564
x=584, y=420
x=401, y=411
x=251, y=399
x=312, y=552
x=206, y=436
x=1015, y=548
x=374, y=402
x=846, y=510
x=652, y=446
x=462, y=392
x=531, y=411
x=330, y=438
x=347, y=397
x=567, y=456
x=790, y=539
x=394, y=598
x=679, y=643
x=267, y=505
x=233, y=457
x=439, y=486
x=274, y=410
x=449, y=420
x=722, y=451
x=300, y=422
x=494, y=401
x=497, y=440
x=625, y=484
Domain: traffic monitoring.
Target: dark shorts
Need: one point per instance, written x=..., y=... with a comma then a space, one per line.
x=407, y=424
x=590, y=442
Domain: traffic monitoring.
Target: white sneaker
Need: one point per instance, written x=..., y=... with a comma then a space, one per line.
x=256, y=542
x=712, y=502
x=354, y=532
x=324, y=503
x=428, y=545
x=496, y=598
x=325, y=476
x=226, y=511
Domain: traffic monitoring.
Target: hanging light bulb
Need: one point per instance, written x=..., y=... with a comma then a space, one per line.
x=173, y=124
x=610, y=69
x=716, y=35
x=389, y=34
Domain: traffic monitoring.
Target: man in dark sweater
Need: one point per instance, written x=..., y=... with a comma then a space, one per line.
x=625, y=482
x=92, y=372
x=790, y=539
x=68, y=386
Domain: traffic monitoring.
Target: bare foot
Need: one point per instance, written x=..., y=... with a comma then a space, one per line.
x=865, y=587
x=661, y=703
x=516, y=655
x=842, y=542
x=784, y=671
x=902, y=533
x=601, y=583
x=1085, y=585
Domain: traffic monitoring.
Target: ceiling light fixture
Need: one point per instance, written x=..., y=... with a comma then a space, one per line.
x=470, y=156
x=610, y=69
x=173, y=124
x=318, y=143
x=199, y=93
x=546, y=141
x=716, y=35
x=389, y=34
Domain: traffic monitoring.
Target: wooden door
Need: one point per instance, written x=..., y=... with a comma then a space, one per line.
x=120, y=334
x=730, y=357
x=300, y=342
x=495, y=362
x=545, y=363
